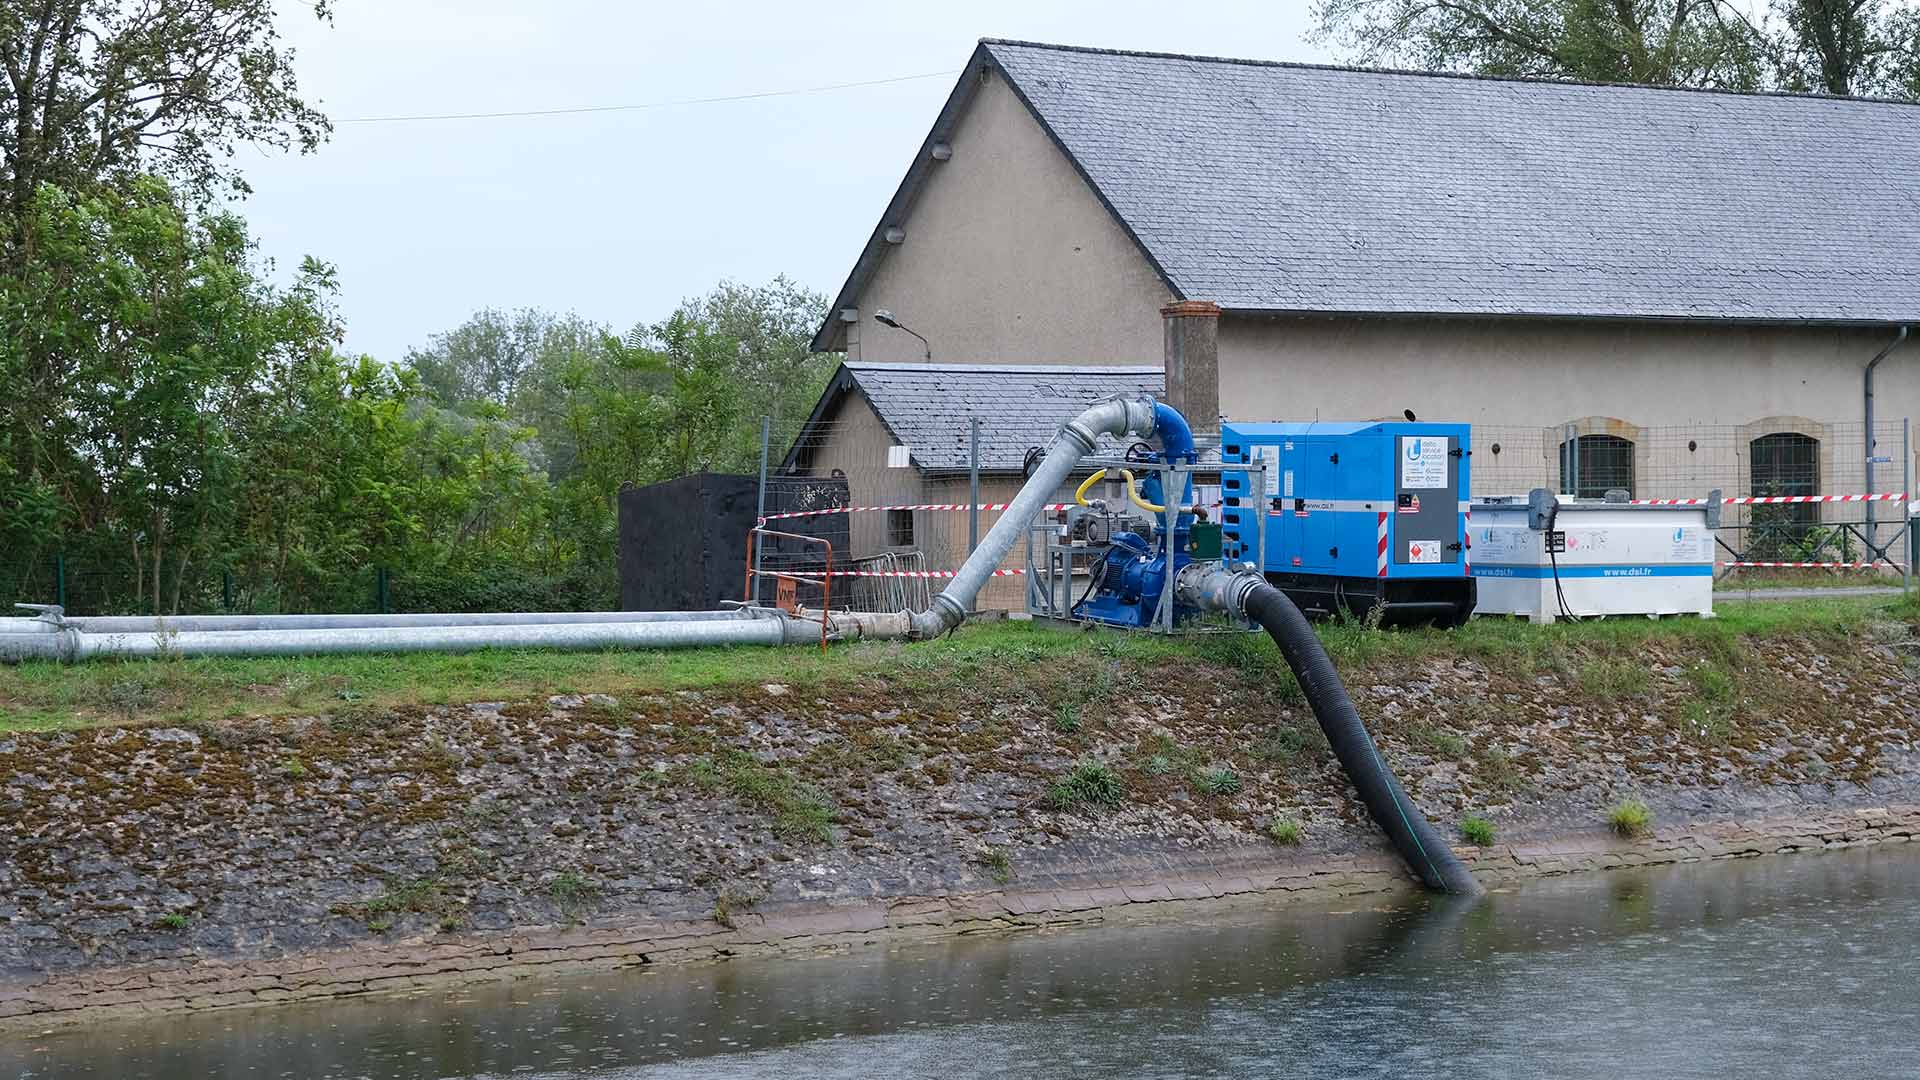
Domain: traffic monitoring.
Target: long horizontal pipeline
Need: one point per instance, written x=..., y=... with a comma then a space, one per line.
x=75, y=646
x=148, y=624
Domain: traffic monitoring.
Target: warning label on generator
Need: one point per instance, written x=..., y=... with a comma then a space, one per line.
x=1271, y=456
x=1419, y=551
x=1423, y=461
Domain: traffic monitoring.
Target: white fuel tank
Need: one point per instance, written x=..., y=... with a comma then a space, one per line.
x=1546, y=555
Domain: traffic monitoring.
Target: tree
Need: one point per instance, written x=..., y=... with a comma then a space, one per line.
x=481, y=361
x=1849, y=47
x=132, y=345
x=1832, y=46
x=1685, y=42
x=100, y=91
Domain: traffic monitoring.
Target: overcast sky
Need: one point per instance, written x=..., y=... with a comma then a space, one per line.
x=619, y=215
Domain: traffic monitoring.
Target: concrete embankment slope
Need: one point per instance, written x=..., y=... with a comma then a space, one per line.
x=154, y=867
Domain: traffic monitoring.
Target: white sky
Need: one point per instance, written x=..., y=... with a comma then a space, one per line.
x=619, y=215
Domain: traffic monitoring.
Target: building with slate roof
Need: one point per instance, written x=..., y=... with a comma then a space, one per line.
x=1289, y=242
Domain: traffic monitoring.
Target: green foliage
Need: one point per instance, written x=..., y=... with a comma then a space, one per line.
x=174, y=920
x=1286, y=831
x=1630, y=818
x=293, y=768
x=186, y=429
x=1855, y=47
x=1476, y=830
x=117, y=87
x=1088, y=784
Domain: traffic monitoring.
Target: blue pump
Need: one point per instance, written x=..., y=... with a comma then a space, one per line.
x=1133, y=576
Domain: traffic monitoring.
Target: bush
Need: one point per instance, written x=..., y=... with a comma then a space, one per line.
x=1285, y=831
x=1631, y=818
x=1090, y=783
x=1477, y=831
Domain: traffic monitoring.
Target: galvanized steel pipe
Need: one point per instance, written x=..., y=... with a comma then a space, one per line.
x=149, y=624
x=72, y=646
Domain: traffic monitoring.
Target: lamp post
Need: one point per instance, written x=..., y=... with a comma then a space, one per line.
x=885, y=318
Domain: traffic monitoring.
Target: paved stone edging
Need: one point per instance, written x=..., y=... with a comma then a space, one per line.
x=166, y=987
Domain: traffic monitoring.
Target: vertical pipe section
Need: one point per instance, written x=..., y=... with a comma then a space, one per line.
x=1866, y=392
x=760, y=516
x=973, y=484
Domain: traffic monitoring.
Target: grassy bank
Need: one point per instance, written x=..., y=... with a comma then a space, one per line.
x=984, y=658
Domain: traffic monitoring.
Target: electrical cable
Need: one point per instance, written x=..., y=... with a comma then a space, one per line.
x=670, y=104
x=1553, y=559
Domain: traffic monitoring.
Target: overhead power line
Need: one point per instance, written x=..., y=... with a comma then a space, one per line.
x=645, y=105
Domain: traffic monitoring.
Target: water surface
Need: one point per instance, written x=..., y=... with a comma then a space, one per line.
x=1786, y=967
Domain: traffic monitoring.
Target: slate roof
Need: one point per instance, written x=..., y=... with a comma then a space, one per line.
x=1290, y=188
x=927, y=407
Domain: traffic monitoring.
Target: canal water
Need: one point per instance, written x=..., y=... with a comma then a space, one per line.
x=1784, y=967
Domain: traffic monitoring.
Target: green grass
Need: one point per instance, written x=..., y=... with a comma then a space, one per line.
x=1758, y=580
x=1630, y=818
x=45, y=696
x=1218, y=780
x=1286, y=831
x=174, y=920
x=419, y=896
x=1615, y=679
x=998, y=864
x=570, y=889
x=796, y=811
x=1089, y=784
x=1476, y=830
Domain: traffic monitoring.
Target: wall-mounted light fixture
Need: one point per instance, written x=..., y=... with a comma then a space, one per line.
x=885, y=318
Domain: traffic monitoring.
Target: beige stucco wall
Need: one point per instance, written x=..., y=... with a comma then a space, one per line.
x=1520, y=382
x=852, y=440
x=1010, y=258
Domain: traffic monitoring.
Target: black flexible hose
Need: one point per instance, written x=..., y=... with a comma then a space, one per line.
x=1423, y=849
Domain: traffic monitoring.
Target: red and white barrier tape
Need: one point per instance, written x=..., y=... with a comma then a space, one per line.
x=1048, y=508
x=1812, y=565
x=1769, y=500
x=903, y=506
x=906, y=573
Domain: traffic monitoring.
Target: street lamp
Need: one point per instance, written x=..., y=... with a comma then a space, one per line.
x=885, y=318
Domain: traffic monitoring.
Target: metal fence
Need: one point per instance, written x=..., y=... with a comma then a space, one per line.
x=909, y=527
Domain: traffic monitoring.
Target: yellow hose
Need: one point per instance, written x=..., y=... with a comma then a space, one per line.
x=1137, y=500
x=1080, y=493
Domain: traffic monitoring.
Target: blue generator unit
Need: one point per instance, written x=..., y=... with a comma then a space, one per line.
x=1356, y=514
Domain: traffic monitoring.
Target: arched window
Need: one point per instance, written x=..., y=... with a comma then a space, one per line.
x=1784, y=463
x=1592, y=465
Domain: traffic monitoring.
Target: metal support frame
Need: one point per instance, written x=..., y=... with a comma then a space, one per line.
x=1049, y=583
x=824, y=580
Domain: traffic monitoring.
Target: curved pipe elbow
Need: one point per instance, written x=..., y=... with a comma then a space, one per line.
x=1176, y=437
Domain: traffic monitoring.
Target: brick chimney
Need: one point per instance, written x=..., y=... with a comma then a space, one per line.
x=1193, y=362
